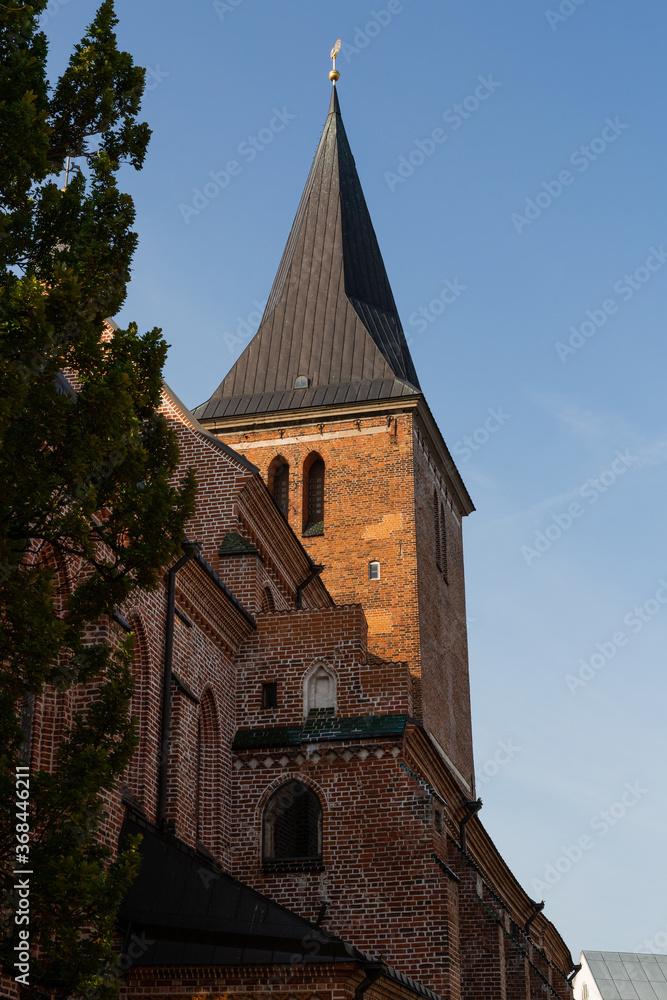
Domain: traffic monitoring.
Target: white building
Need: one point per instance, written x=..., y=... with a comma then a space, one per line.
x=613, y=975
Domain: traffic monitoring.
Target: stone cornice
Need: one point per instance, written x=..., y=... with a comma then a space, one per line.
x=231, y=427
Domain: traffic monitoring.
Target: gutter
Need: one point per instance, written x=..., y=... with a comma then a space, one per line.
x=538, y=909
x=316, y=570
x=373, y=972
x=472, y=808
x=210, y=572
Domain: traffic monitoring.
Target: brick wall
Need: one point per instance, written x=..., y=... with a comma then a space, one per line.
x=443, y=633
x=392, y=875
x=368, y=515
x=379, y=488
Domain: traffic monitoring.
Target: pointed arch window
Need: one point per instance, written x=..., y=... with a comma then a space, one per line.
x=313, y=482
x=320, y=691
x=139, y=709
x=206, y=785
x=199, y=782
x=292, y=826
x=279, y=483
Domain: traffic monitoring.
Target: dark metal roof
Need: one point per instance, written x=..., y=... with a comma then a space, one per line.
x=184, y=910
x=188, y=911
x=331, y=314
x=293, y=399
x=322, y=729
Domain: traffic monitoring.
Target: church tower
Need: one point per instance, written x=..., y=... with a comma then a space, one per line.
x=326, y=402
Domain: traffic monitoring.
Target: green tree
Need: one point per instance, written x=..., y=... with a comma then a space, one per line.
x=86, y=476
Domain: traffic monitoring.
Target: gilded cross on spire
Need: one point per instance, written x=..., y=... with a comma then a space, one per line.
x=334, y=74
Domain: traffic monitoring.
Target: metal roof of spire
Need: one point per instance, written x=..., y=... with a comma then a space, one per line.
x=331, y=315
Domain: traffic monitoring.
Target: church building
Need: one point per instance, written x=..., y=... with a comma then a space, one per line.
x=304, y=782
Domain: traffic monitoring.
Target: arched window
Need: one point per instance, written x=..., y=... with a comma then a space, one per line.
x=301, y=382
x=320, y=691
x=206, y=785
x=374, y=570
x=293, y=824
x=436, y=528
x=199, y=782
x=443, y=542
x=313, y=481
x=135, y=776
x=279, y=482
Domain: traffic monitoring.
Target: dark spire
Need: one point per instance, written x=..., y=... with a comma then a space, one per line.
x=331, y=315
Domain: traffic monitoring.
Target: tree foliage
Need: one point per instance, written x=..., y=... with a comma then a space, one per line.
x=88, y=507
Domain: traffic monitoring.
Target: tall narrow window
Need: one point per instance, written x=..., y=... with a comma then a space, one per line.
x=206, y=762
x=436, y=527
x=198, y=784
x=314, y=496
x=374, y=571
x=279, y=482
x=139, y=708
x=270, y=694
x=443, y=542
x=293, y=824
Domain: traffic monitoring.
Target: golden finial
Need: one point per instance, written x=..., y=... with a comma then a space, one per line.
x=334, y=74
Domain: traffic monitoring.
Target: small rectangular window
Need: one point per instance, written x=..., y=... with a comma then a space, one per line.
x=270, y=695
x=374, y=571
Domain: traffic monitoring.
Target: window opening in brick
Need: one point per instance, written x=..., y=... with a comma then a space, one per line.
x=206, y=758
x=320, y=692
x=293, y=824
x=443, y=542
x=198, y=784
x=314, y=486
x=270, y=694
x=139, y=707
x=438, y=819
x=279, y=483
x=268, y=604
x=374, y=571
x=436, y=526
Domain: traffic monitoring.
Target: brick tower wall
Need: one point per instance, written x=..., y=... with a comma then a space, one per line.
x=442, y=616
x=368, y=515
x=378, y=506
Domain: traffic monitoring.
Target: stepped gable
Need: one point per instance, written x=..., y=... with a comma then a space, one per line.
x=331, y=315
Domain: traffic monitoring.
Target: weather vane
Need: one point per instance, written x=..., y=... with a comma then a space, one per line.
x=334, y=74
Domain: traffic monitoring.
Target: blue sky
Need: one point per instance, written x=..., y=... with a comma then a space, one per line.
x=541, y=200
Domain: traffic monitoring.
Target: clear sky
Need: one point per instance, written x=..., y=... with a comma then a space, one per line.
x=541, y=201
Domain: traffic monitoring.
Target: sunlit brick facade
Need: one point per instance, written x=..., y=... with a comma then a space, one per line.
x=319, y=654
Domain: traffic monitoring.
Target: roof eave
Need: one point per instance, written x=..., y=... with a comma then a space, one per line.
x=367, y=408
